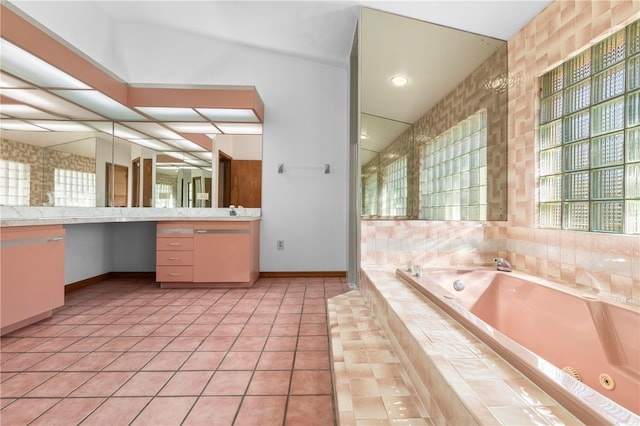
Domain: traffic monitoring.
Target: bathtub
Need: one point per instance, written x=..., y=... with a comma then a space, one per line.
x=542, y=328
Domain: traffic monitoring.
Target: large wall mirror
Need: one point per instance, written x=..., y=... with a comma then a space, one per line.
x=433, y=121
x=73, y=135
x=93, y=168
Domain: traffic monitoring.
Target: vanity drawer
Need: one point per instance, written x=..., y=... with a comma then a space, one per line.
x=174, y=230
x=174, y=257
x=174, y=273
x=174, y=243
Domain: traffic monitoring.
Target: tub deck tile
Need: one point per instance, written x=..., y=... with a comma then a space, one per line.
x=372, y=387
x=459, y=378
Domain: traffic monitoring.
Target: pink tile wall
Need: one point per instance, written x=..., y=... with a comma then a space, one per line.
x=609, y=263
x=431, y=243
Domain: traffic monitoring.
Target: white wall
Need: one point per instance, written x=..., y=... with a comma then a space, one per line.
x=305, y=125
x=305, y=122
x=134, y=246
x=240, y=147
x=95, y=249
x=87, y=251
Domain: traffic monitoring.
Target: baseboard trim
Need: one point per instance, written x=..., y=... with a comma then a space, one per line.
x=102, y=277
x=83, y=283
x=277, y=274
x=304, y=274
x=151, y=274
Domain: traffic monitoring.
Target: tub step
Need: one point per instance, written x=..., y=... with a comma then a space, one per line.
x=371, y=385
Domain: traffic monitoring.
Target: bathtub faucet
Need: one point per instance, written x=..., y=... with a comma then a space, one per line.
x=502, y=264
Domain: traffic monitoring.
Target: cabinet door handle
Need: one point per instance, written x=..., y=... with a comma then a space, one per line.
x=174, y=244
x=201, y=231
x=173, y=274
x=174, y=258
x=54, y=239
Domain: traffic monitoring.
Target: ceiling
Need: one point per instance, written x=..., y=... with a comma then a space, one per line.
x=320, y=31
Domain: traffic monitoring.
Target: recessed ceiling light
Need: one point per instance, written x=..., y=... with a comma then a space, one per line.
x=399, y=80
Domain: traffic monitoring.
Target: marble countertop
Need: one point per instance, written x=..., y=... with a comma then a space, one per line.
x=27, y=216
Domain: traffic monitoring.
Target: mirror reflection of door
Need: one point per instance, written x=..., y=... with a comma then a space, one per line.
x=117, y=184
x=224, y=180
x=135, y=183
x=141, y=179
x=207, y=190
x=246, y=183
x=147, y=182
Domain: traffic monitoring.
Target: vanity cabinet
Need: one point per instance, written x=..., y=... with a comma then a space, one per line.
x=208, y=253
x=174, y=252
x=31, y=274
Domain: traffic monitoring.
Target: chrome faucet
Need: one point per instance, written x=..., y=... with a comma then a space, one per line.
x=502, y=264
x=232, y=210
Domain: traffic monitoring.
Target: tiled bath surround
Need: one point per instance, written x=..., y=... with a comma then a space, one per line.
x=458, y=378
x=432, y=243
x=606, y=262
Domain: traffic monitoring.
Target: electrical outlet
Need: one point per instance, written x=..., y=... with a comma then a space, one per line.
x=280, y=244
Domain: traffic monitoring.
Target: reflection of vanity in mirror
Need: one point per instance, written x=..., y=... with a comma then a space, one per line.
x=433, y=142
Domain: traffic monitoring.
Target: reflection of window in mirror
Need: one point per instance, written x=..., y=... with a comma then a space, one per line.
x=166, y=194
x=198, y=196
x=394, y=188
x=73, y=188
x=14, y=183
x=370, y=195
x=453, y=172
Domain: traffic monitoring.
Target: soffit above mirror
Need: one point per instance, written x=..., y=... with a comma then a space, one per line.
x=49, y=88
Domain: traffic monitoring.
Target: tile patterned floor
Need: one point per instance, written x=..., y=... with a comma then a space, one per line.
x=127, y=352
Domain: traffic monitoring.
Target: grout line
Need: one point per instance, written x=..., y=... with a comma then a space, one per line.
x=287, y=289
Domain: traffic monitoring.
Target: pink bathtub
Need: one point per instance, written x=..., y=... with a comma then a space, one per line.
x=541, y=328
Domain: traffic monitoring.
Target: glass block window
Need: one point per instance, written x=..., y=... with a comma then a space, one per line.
x=370, y=195
x=74, y=189
x=394, y=188
x=589, y=139
x=14, y=183
x=164, y=196
x=453, y=172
